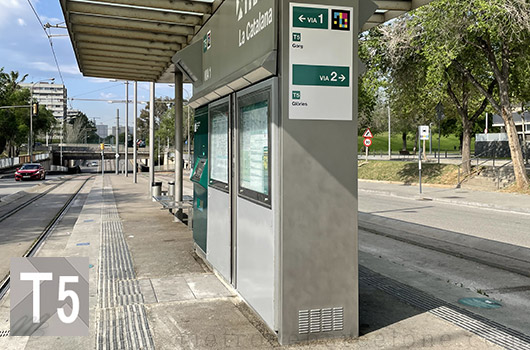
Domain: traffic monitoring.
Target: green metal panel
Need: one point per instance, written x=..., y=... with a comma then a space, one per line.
x=200, y=192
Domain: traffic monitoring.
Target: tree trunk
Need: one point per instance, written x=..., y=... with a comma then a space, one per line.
x=466, y=146
x=404, y=138
x=521, y=177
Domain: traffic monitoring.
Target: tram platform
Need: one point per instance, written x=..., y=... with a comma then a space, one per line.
x=168, y=298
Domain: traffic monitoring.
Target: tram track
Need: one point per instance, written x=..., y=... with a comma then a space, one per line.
x=490, y=258
x=33, y=199
x=36, y=244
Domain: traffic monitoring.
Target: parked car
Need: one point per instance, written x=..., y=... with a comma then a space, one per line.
x=30, y=171
x=94, y=163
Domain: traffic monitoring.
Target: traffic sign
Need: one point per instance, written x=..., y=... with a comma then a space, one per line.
x=367, y=142
x=368, y=134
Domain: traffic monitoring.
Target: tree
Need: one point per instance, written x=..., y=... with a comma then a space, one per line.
x=14, y=122
x=161, y=107
x=498, y=31
x=403, y=71
x=80, y=129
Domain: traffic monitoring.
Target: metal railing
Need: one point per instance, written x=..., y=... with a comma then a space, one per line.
x=478, y=164
x=14, y=161
x=498, y=170
x=477, y=158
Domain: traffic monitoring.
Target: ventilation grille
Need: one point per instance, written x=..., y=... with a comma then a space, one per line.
x=320, y=320
x=4, y=334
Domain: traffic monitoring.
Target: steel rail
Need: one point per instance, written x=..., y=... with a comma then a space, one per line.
x=33, y=199
x=4, y=285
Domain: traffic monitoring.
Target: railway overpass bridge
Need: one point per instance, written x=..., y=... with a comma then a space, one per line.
x=92, y=151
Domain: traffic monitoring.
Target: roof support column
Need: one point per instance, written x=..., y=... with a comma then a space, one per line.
x=151, y=135
x=179, y=89
x=126, y=167
x=135, y=116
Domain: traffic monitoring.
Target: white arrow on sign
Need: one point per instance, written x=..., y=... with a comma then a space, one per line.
x=301, y=18
x=342, y=77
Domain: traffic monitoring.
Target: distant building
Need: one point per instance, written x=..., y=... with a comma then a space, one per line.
x=72, y=113
x=497, y=121
x=53, y=96
x=122, y=130
x=102, y=130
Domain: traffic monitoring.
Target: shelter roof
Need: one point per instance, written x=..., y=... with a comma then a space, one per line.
x=136, y=39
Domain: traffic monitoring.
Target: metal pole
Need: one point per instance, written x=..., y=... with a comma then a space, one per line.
x=523, y=128
x=179, y=89
x=151, y=135
x=61, y=144
x=389, y=138
x=439, y=137
x=30, y=140
x=102, y=162
x=126, y=167
x=486, y=129
x=430, y=138
x=189, y=140
x=117, y=155
x=135, y=115
x=419, y=164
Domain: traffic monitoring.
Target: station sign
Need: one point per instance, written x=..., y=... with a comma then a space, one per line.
x=320, y=62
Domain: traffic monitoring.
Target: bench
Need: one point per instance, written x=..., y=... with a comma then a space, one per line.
x=168, y=203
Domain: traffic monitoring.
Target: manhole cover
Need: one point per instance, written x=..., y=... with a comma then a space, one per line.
x=483, y=303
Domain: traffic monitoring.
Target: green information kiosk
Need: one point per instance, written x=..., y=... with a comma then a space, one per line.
x=199, y=177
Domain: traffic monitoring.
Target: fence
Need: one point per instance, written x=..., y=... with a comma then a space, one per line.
x=14, y=161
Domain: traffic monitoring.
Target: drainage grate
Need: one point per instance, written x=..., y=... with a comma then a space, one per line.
x=122, y=319
x=4, y=334
x=479, y=325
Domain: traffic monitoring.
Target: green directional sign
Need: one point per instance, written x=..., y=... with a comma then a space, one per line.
x=309, y=17
x=321, y=75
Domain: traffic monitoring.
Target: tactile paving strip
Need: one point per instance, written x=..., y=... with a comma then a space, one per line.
x=479, y=325
x=122, y=319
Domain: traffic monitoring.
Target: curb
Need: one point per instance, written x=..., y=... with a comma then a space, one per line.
x=452, y=201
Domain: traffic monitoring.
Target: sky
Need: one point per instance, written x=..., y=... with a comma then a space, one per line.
x=24, y=47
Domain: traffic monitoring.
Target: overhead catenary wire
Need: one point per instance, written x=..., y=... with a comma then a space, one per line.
x=50, y=41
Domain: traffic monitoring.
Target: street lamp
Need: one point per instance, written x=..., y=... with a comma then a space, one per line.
x=30, y=141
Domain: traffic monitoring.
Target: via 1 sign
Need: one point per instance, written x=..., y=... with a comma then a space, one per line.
x=320, y=62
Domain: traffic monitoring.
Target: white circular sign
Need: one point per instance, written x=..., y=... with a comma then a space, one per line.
x=367, y=142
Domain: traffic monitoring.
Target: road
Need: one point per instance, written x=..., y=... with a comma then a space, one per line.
x=9, y=185
x=450, y=251
x=19, y=230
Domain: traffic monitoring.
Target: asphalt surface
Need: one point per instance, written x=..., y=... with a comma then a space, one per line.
x=450, y=251
x=19, y=231
x=9, y=185
x=489, y=223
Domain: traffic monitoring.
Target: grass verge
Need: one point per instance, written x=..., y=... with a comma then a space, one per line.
x=407, y=172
